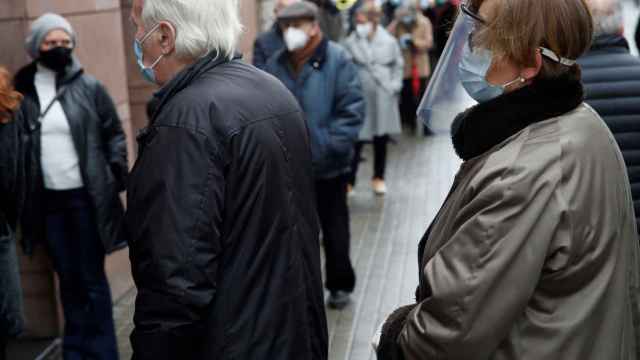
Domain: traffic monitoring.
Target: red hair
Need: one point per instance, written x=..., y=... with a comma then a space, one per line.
x=9, y=98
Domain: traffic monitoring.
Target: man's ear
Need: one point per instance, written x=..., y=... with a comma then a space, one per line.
x=167, y=37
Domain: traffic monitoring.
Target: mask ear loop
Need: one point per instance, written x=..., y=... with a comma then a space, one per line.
x=553, y=56
x=519, y=79
x=148, y=34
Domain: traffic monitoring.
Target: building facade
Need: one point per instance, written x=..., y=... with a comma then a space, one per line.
x=105, y=48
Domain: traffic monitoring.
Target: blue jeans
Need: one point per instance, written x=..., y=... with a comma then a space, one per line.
x=78, y=258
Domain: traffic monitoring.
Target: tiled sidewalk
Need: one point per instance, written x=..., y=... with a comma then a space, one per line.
x=385, y=234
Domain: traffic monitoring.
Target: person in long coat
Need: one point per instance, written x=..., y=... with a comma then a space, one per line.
x=414, y=31
x=380, y=66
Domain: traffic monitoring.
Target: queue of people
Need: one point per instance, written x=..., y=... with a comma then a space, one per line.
x=242, y=173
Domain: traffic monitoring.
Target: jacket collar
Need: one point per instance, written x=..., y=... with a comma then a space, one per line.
x=187, y=76
x=486, y=125
x=25, y=78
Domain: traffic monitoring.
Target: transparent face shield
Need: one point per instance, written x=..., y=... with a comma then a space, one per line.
x=445, y=97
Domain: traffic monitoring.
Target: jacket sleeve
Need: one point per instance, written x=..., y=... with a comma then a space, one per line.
x=113, y=136
x=175, y=211
x=397, y=71
x=481, y=280
x=349, y=108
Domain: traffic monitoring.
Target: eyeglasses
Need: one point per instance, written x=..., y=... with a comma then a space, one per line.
x=477, y=20
x=472, y=14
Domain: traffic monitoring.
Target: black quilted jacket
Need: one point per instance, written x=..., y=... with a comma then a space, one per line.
x=611, y=78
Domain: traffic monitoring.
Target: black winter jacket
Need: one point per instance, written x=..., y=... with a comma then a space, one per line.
x=12, y=171
x=611, y=77
x=99, y=140
x=222, y=222
x=11, y=309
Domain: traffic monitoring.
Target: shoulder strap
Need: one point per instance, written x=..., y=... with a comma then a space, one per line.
x=61, y=92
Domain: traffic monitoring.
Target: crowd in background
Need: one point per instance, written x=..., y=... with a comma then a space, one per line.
x=349, y=73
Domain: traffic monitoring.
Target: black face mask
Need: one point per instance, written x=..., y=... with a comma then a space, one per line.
x=56, y=59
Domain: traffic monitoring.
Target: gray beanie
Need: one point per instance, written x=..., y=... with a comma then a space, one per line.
x=43, y=26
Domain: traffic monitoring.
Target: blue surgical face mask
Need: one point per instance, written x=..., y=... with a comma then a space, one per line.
x=147, y=72
x=473, y=69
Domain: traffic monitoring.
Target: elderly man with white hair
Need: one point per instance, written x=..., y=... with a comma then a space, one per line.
x=611, y=77
x=224, y=235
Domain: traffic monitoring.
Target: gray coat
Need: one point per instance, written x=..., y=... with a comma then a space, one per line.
x=380, y=66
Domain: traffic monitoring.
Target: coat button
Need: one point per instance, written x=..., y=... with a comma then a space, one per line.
x=316, y=64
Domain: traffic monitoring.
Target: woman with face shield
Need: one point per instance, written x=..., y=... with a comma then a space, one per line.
x=534, y=254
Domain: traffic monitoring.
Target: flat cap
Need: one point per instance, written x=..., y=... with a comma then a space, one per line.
x=299, y=10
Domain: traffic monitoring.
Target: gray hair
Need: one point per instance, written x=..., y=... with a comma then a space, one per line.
x=607, y=16
x=202, y=26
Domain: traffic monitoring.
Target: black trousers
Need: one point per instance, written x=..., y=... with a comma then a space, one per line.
x=11, y=303
x=3, y=347
x=78, y=259
x=379, y=158
x=331, y=197
x=409, y=102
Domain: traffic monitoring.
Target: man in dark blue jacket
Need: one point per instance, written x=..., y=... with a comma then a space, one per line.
x=270, y=41
x=325, y=81
x=611, y=77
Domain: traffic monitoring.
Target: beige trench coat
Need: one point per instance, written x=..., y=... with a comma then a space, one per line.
x=534, y=254
x=422, y=34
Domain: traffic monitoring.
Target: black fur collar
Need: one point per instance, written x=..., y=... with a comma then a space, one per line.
x=485, y=125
